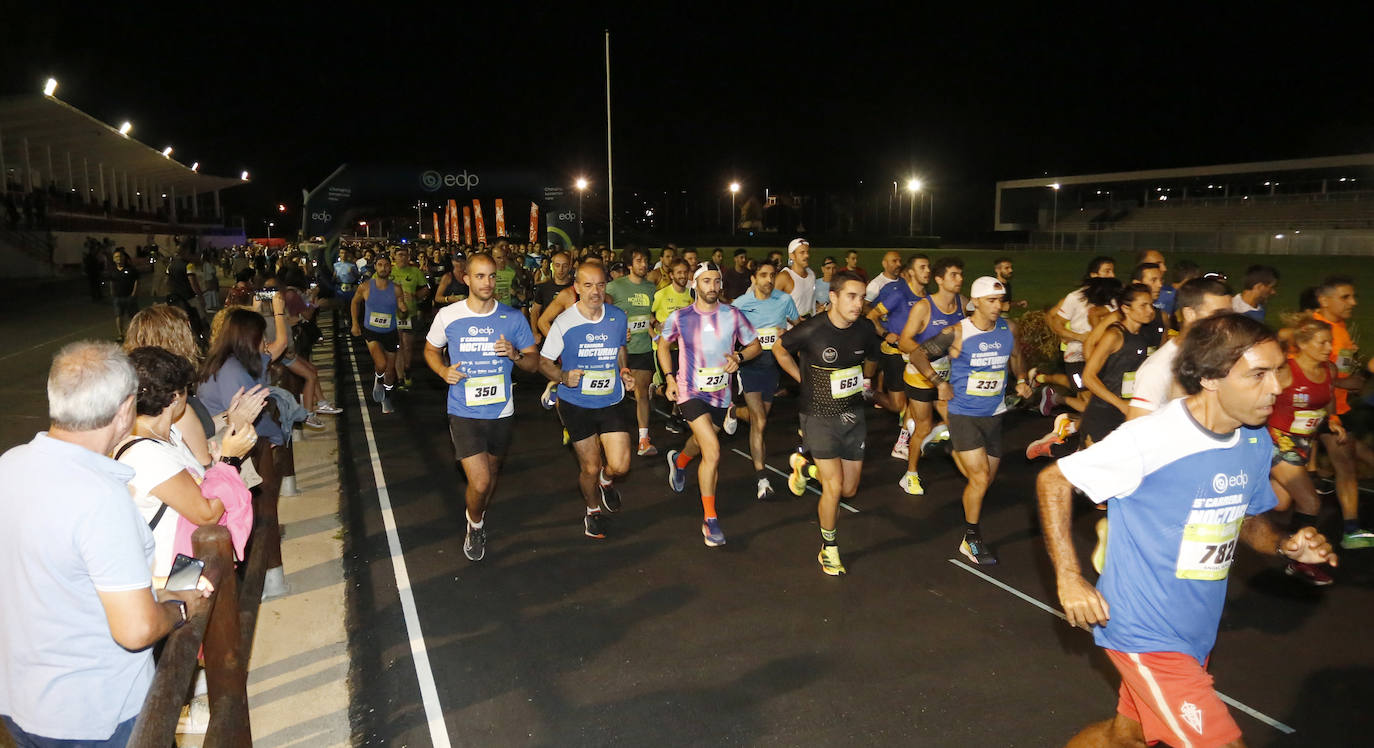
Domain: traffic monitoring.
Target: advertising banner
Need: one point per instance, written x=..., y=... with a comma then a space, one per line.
x=500, y=217
x=477, y=219
x=452, y=217
x=467, y=225
x=435, y=235
x=534, y=224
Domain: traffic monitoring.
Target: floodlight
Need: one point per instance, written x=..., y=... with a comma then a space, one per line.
x=581, y=183
x=734, y=186
x=50, y=87
x=167, y=152
x=125, y=128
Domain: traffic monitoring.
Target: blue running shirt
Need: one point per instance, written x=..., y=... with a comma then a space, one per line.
x=592, y=346
x=978, y=374
x=470, y=339
x=770, y=316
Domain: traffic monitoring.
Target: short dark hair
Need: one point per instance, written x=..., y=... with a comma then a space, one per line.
x=741, y=251
x=911, y=261
x=1129, y=291
x=838, y=280
x=761, y=263
x=1192, y=293
x=161, y=375
x=1101, y=291
x=1185, y=270
x=1140, y=269
x=943, y=264
x=1142, y=254
x=1095, y=264
x=1213, y=345
x=1000, y=260
x=1256, y=275
x=1329, y=284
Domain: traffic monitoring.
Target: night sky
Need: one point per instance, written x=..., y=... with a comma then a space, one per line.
x=771, y=97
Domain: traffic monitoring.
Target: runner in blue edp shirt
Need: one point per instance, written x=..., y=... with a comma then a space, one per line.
x=585, y=353
x=484, y=340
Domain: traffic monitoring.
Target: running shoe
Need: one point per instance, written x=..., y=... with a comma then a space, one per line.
x=1353, y=541
x=327, y=408
x=378, y=390
x=475, y=544
x=403, y=384
x=675, y=425
x=1099, y=557
x=977, y=550
x=796, y=482
x=594, y=526
x=1324, y=486
x=566, y=439
x=1065, y=426
x=1312, y=574
x=711, y=534
x=1049, y=400
x=387, y=407
x=677, y=477
x=938, y=434
x=610, y=498
x=830, y=560
x=550, y=396
x=765, y=492
x=911, y=483
x=313, y=422
x=731, y=424
x=899, y=449
x=646, y=449
x=1041, y=447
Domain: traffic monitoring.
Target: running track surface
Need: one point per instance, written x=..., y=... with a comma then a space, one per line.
x=649, y=637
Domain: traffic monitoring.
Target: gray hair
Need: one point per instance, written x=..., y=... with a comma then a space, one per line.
x=88, y=382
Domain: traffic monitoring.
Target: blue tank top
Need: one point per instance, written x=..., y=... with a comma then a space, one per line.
x=379, y=310
x=978, y=374
x=940, y=320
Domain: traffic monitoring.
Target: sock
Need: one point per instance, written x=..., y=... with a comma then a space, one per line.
x=387, y=387
x=476, y=525
x=603, y=480
x=683, y=460
x=378, y=376
x=827, y=537
x=971, y=529
x=593, y=510
x=1301, y=520
x=643, y=434
x=760, y=475
x=1352, y=526
x=708, y=505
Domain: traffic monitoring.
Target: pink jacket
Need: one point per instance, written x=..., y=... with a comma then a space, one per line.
x=222, y=482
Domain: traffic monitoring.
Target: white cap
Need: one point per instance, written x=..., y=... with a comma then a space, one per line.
x=792, y=246
x=705, y=267
x=987, y=286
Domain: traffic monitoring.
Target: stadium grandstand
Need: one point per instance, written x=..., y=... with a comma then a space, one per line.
x=68, y=176
x=1298, y=206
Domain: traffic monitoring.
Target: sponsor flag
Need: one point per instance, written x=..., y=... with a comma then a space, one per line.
x=477, y=219
x=467, y=225
x=451, y=218
x=534, y=223
x=500, y=217
x=435, y=236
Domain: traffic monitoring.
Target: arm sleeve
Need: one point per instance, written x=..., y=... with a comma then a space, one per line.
x=1108, y=469
x=521, y=334
x=553, y=342
x=795, y=339
x=1068, y=308
x=436, y=335
x=669, y=333
x=744, y=331
x=113, y=542
x=790, y=310
x=1153, y=381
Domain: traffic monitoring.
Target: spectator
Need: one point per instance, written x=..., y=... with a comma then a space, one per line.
x=237, y=360
x=78, y=612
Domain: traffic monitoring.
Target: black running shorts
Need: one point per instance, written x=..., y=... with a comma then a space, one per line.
x=968, y=433
x=389, y=341
x=830, y=437
x=473, y=436
x=583, y=423
x=694, y=409
x=640, y=361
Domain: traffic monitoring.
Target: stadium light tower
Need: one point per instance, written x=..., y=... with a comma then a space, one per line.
x=366, y=229
x=50, y=87
x=913, y=186
x=125, y=128
x=734, y=190
x=167, y=152
x=195, y=166
x=581, y=190
x=1054, y=231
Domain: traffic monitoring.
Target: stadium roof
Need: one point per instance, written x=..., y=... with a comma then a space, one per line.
x=1287, y=165
x=48, y=123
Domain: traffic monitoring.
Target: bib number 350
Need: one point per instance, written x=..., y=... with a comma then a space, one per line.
x=484, y=390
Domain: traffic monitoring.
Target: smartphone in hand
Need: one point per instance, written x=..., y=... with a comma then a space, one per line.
x=185, y=573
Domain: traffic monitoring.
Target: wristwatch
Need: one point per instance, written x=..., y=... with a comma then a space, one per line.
x=233, y=462
x=181, y=606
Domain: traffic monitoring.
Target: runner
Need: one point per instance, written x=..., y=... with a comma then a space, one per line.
x=378, y=304
x=485, y=340
x=1111, y=367
x=983, y=345
x=634, y=294
x=505, y=274
x=346, y=277
x=797, y=279
x=1002, y=270
x=589, y=340
x=926, y=338
x=1198, y=299
x=560, y=265
x=1181, y=489
x=668, y=299
x=891, y=273
x=706, y=333
x=737, y=277
x=771, y=312
x=825, y=354
x=1336, y=297
x=889, y=315
x=124, y=291
x=451, y=285
x=411, y=281
x=1070, y=319
x=1260, y=284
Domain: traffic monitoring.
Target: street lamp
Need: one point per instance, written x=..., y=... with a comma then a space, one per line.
x=913, y=186
x=1054, y=231
x=734, y=190
x=50, y=87
x=366, y=230
x=270, y=224
x=581, y=190
x=125, y=128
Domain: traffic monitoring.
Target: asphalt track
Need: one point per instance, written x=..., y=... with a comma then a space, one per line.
x=649, y=637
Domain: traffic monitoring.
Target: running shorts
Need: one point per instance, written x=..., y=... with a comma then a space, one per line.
x=922, y=394
x=473, y=436
x=694, y=409
x=967, y=433
x=640, y=361
x=389, y=341
x=582, y=423
x=833, y=437
x=1172, y=698
x=759, y=376
x=1293, y=449
x=894, y=369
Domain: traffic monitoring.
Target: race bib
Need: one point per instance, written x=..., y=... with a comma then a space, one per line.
x=768, y=337
x=1345, y=362
x=639, y=324
x=1127, y=385
x=985, y=383
x=1207, y=551
x=405, y=323
x=484, y=390
x=1305, y=421
x=941, y=367
x=379, y=319
x=598, y=382
x=711, y=379
x=846, y=382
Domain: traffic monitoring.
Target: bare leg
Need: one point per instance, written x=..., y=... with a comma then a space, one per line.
x=481, y=470
x=1118, y=732
x=757, y=415
x=1347, y=481
x=588, y=452
x=708, y=446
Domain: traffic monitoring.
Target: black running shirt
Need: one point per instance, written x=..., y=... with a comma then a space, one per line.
x=831, y=362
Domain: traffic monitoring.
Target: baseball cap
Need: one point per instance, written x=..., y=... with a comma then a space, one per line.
x=987, y=286
x=795, y=243
x=705, y=267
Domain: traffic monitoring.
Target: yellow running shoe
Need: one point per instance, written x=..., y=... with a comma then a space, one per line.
x=1100, y=550
x=830, y=560
x=796, y=482
x=911, y=483
x=566, y=439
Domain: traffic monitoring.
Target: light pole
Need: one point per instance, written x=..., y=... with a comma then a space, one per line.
x=269, y=231
x=1054, y=231
x=913, y=186
x=734, y=190
x=419, y=227
x=366, y=229
x=581, y=190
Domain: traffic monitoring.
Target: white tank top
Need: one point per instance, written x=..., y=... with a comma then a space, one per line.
x=803, y=290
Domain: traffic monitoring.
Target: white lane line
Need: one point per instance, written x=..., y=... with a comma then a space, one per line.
x=1261, y=716
x=53, y=340
x=429, y=694
x=750, y=457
